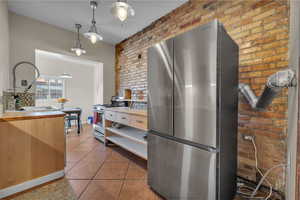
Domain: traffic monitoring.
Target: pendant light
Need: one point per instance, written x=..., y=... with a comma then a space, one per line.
x=92, y=34
x=78, y=47
x=66, y=76
x=121, y=10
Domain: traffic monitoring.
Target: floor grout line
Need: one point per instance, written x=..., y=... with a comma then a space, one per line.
x=93, y=178
x=123, y=182
x=80, y=161
x=80, y=143
x=84, y=189
x=90, y=180
x=82, y=156
x=109, y=153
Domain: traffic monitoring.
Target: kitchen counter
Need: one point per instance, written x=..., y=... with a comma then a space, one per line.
x=32, y=149
x=128, y=111
x=23, y=115
x=131, y=134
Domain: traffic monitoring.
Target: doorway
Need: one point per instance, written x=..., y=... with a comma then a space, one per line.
x=78, y=80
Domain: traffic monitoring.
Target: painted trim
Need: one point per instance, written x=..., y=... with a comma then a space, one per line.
x=30, y=184
x=293, y=101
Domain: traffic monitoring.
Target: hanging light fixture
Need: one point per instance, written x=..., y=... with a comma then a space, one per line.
x=121, y=10
x=66, y=76
x=92, y=34
x=78, y=47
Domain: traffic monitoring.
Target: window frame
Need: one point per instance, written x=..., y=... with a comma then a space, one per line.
x=48, y=79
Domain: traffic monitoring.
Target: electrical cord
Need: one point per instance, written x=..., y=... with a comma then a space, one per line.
x=264, y=178
x=247, y=195
x=260, y=172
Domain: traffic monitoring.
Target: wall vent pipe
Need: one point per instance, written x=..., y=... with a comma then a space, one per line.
x=274, y=85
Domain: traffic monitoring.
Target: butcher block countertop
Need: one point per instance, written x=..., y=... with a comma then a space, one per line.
x=128, y=111
x=22, y=115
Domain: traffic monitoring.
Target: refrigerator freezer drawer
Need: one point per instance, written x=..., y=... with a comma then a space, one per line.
x=178, y=171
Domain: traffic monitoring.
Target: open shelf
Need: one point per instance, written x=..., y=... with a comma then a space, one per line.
x=130, y=133
x=132, y=146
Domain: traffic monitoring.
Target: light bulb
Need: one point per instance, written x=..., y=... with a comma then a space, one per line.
x=78, y=52
x=122, y=13
x=93, y=39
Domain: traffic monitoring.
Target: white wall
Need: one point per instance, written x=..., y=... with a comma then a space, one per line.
x=84, y=89
x=4, y=47
x=28, y=34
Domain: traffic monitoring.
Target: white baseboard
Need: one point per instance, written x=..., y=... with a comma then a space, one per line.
x=30, y=184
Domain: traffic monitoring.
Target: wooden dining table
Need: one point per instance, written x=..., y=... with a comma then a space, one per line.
x=76, y=111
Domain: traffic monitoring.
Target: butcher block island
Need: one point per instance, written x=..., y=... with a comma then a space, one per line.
x=127, y=128
x=32, y=150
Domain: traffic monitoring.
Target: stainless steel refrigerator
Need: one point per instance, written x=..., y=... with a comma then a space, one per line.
x=192, y=115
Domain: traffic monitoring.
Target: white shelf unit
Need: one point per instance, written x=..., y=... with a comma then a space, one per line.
x=130, y=133
x=136, y=148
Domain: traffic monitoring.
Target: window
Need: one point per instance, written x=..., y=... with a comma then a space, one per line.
x=49, y=87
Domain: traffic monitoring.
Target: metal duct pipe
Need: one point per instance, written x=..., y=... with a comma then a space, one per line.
x=275, y=83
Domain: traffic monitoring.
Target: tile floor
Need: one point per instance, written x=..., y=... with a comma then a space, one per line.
x=57, y=190
x=96, y=172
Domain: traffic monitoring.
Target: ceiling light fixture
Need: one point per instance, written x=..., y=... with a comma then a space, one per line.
x=78, y=47
x=121, y=9
x=92, y=34
x=66, y=76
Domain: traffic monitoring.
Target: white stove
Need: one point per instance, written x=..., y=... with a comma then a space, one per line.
x=98, y=120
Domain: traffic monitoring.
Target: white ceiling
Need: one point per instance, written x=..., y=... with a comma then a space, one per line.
x=65, y=13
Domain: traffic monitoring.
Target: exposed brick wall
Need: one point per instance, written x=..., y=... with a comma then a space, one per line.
x=261, y=29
